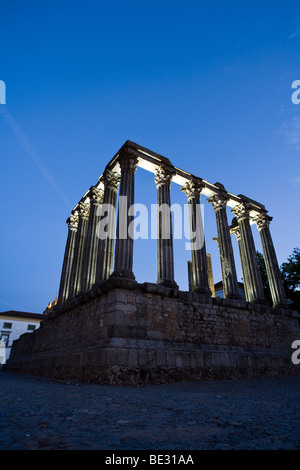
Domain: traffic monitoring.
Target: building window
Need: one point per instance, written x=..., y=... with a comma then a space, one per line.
x=5, y=338
x=30, y=327
x=7, y=325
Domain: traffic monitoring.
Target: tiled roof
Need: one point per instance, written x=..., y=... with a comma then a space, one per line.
x=18, y=314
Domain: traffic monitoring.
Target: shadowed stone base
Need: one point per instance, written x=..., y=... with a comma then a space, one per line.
x=168, y=283
x=122, y=275
x=204, y=291
x=122, y=332
x=123, y=361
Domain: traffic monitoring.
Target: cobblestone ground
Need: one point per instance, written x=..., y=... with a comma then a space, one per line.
x=38, y=413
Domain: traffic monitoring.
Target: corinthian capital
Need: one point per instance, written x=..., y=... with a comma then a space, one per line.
x=262, y=221
x=162, y=176
x=111, y=179
x=84, y=210
x=128, y=159
x=237, y=233
x=72, y=221
x=96, y=195
x=218, y=201
x=193, y=188
x=241, y=211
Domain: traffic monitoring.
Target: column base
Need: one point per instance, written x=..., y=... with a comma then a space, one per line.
x=202, y=290
x=259, y=301
x=234, y=297
x=282, y=305
x=126, y=274
x=168, y=283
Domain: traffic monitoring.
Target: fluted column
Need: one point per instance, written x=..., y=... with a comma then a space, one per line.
x=106, y=238
x=91, y=243
x=242, y=258
x=124, y=239
x=75, y=281
x=230, y=283
x=64, y=287
x=165, y=255
x=198, y=270
x=273, y=272
x=252, y=279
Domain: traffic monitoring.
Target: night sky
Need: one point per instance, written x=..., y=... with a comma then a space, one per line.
x=206, y=84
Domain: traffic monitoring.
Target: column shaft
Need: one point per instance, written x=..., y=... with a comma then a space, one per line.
x=252, y=279
x=199, y=270
x=75, y=281
x=68, y=259
x=124, y=240
x=273, y=271
x=165, y=255
x=243, y=261
x=88, y=275
x=230, y=283
x=106, y=235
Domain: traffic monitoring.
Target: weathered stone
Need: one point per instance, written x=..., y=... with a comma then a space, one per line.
x=188, y=343
x=132, y=357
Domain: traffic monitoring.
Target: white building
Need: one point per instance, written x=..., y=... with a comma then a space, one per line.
x=12, y=325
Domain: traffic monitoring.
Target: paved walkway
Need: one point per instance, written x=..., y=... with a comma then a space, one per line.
x=38, y=413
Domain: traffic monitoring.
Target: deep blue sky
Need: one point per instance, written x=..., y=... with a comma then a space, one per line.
x=206, y=84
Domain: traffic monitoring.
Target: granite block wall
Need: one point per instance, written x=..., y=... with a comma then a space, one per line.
x=122, y=332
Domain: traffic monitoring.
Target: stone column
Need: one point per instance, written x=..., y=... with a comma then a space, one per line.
x=165, y=256
x=274, y=275
x=190, y=275
x=64, y=287
x=199, y=271
x=230, y=283
x=252, y=277
x=111, y=180
x=124, y=240
x=242, y=258
x=91, y=244
x=75, y=280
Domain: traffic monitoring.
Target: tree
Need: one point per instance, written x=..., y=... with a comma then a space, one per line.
x=290, y=271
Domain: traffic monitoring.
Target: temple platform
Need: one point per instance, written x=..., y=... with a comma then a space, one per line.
x=122, y=332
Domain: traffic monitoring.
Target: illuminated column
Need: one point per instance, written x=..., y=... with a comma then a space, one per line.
x=91, y=243
x=274, y=276
x=165, y=257
x=79, y=250
x=124, y=239
x=237, y=233
x=198, y=269
x=252, y=277
x=68, y=259
x=107, y=226
x=230, y=283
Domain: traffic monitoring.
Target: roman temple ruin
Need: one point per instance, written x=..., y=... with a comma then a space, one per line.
x=108, y=328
